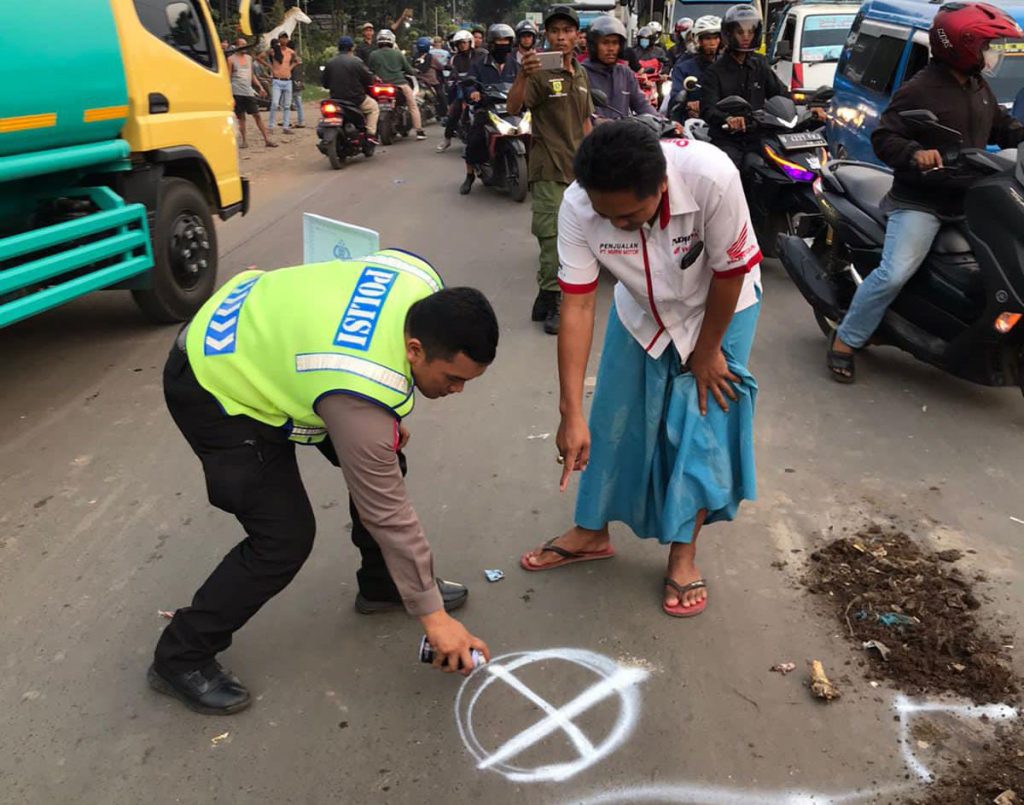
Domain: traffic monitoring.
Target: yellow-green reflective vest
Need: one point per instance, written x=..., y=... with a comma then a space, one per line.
x=270, y=345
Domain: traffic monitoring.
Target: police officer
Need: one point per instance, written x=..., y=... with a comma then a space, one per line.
x=326, y=354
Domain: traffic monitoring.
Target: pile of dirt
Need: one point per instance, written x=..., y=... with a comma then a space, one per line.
x=984, y=777
x=919, y=608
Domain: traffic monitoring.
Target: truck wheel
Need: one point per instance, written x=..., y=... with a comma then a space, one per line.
x=184, y=254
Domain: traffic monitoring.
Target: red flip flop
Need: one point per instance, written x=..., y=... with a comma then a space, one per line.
x=568, y=557
x=679, y=611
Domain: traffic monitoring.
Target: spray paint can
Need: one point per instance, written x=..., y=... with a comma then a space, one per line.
x=427, y=654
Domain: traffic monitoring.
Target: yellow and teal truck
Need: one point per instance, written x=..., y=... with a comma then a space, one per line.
x=116, y=152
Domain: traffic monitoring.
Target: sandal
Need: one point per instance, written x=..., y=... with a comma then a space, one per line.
x=840, y=364
x=568, y=557
x=680, y=611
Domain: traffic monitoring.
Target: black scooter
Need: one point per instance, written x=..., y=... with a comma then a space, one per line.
x=342, y=132
x=777, y=176
x=665, y=129
x=960, y=311
x=505, y=167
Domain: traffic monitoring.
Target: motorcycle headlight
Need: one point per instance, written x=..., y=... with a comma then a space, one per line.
x=504, y=128
x=525, y=123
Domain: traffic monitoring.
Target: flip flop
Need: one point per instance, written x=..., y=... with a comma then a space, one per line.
x=568, y=557
x=840, y=364
x=679, y=611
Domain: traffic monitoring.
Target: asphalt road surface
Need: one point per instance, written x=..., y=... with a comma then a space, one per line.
x=104, y=521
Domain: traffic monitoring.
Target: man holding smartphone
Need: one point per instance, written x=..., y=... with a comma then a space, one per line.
x=558, y=96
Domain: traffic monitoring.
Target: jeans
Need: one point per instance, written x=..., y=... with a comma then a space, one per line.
x=296, y=104
x=909, y=235
x=251, y=473
x=281, y=93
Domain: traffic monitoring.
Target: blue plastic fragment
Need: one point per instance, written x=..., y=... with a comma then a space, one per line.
x=494, y=575
x=896, y=619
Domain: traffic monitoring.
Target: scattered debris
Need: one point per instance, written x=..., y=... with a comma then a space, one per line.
x=878, y=646
x=1008, y=797
x=1017, y=520
x=165, y=613
x=950, y=555
x=821, y=687
x=884, y=586
x=783, y=667
x=542, y=436
x=494, y=575
x=873, y=683
x=217, y=740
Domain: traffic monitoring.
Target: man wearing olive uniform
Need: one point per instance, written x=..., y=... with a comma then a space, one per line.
x=327, y=354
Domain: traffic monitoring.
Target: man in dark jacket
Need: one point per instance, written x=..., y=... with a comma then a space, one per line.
x=708, y=33
x=349, y=80
x=368, y=43
x=953, y=88
x=739, y=71
x=606, y=41
x=496, y=66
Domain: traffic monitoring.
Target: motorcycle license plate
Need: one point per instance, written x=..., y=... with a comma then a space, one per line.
x=386, y=105
x=802, y=139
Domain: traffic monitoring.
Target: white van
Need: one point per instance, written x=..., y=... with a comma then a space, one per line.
x=808, y=42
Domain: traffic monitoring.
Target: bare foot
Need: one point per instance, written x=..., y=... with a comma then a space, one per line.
x=682, y=570
x=577, y=540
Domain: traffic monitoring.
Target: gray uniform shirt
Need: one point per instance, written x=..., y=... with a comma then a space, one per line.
x=365, y=438
x=241, y=75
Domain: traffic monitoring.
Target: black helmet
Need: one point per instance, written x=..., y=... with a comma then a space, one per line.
x=525, y=28
x=741, y=17
x=602, y=26
x=500, y=31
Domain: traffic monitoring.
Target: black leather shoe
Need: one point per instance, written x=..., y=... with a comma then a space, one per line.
x=453, y=595
x=553, y=321
x=467, y=185
x=215, y=692
x=541, y=305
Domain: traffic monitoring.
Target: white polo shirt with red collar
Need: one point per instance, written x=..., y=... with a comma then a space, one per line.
x=665, y=269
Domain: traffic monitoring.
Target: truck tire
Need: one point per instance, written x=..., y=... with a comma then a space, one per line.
x=184, y=241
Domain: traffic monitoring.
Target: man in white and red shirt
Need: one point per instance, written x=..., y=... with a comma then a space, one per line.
x=669, y=220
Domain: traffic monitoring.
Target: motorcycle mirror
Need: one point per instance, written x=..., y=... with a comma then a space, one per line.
x=690, y=83
x=823, y=94
x=925, y=120
x=734, y=106
x=600, y=99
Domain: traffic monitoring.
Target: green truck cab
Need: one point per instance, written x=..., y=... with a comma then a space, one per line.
x=116, y=155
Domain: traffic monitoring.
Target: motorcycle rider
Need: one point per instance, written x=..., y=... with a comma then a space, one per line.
x=430, y=73
x=606, y=39
x=739, y=71
x=392, y=67
x=526, y=39
x=348, y=79
x=462, y=60
x=497, y=66
x=683, y=36
x=648, y=47
x=478, y=32
x=953, y=87
x=708, y=32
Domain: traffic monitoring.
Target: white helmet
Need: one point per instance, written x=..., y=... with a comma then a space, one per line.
x=655, y=28
x=462, y=35
x=708, y=24
x=386, y=37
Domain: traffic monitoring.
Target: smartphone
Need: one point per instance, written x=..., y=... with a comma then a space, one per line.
x=550, y=60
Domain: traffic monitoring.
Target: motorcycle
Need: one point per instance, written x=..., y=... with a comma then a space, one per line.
x=664, y=128
x=395, y=117
x=652, y=81
x=341, y=132
x=506, y=143
x=961, y=309
x=777, y=176
x=695, y=128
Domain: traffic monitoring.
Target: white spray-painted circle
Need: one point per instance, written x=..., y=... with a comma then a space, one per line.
x=611, y=679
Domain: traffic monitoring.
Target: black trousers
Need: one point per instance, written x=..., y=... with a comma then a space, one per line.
x=252, y=473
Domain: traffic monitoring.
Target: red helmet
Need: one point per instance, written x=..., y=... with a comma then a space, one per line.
x=961, y=31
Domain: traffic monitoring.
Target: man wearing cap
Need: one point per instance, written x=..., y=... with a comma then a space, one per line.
x=327, y=354
x=368, y=44
x=560, y=103
x=349, y=80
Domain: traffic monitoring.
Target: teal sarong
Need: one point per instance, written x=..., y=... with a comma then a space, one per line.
x=655, y=462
